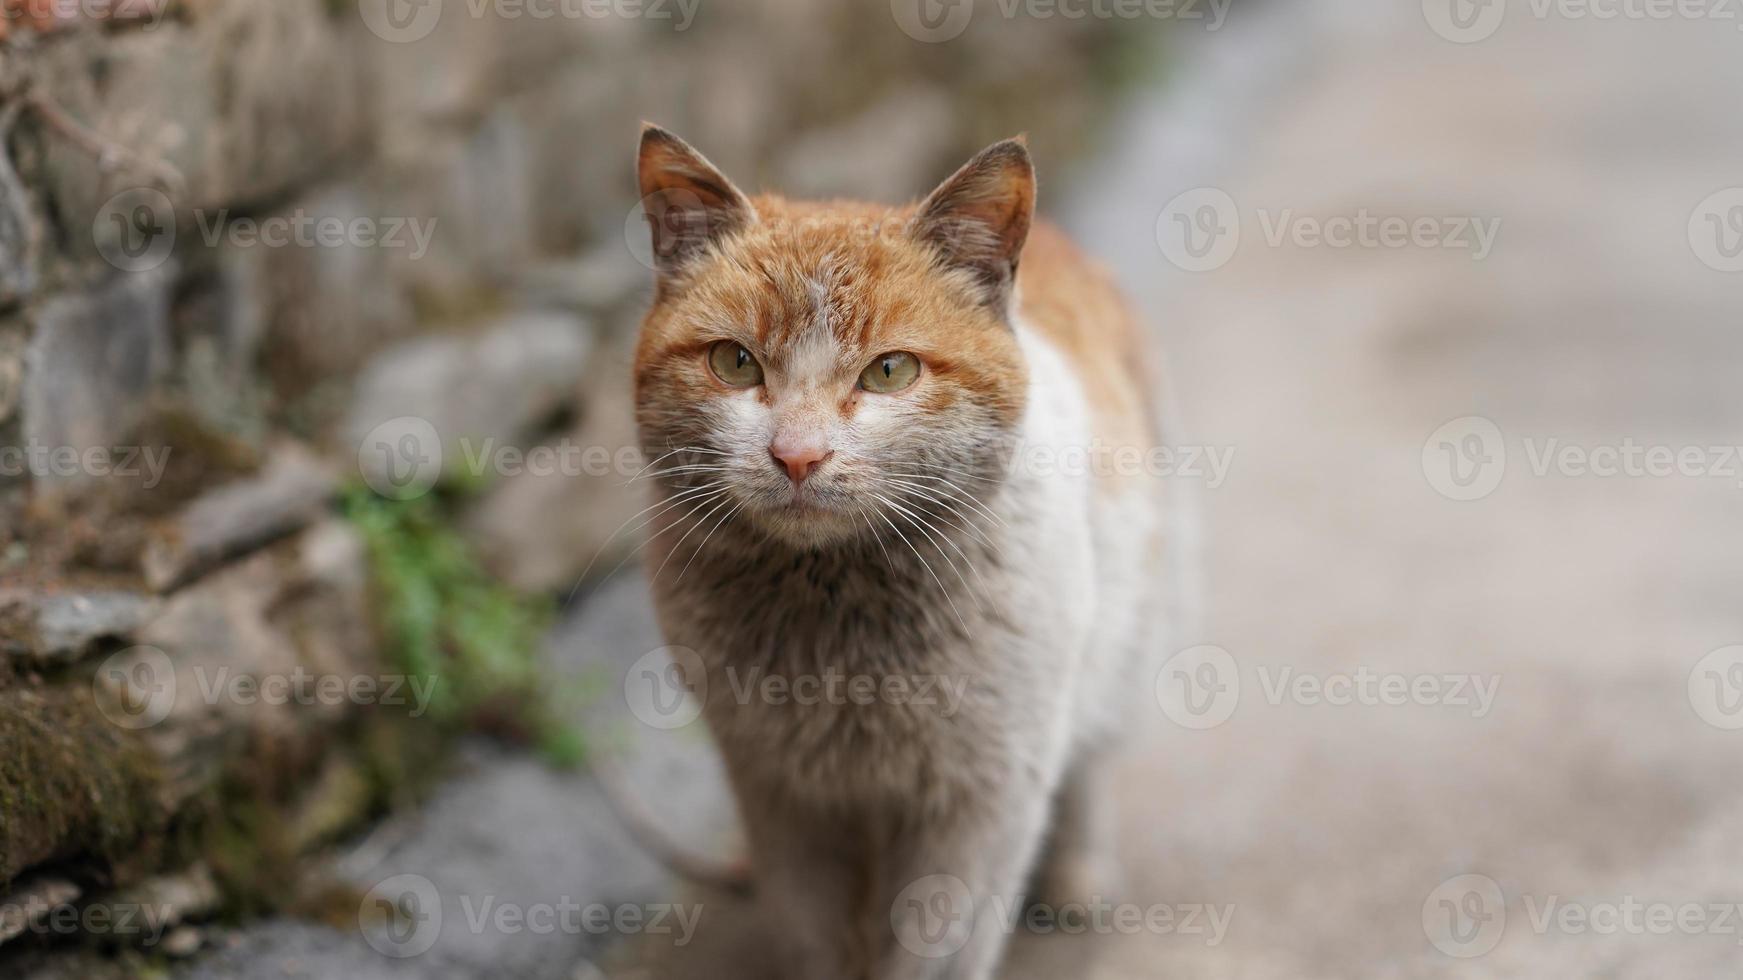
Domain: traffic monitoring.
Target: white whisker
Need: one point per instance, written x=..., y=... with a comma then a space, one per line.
x=928, y=566
x=925, y=527
x=717, y=526
x=700, y=521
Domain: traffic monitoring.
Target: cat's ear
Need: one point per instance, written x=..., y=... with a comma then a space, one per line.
x=688, y=202
x=979, y=219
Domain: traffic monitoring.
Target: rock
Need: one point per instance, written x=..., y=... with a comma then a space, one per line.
x=539, y=529
x=92, y=360
x=566, y=843
x=61, y=964
x=315, y=313
x=20, y=238
x=244, y=101
x=476, y=195
x=61, y=627
x=287, y=496
x=601, y=283
x=888, y=152
x=476, y=392
x=564, y=849
x=142, y=912
x=72, y=781
x=27, y=905
x=292, y=616
x=11, y=372
x=335, y=802
x=183, y=942
x=435, y=68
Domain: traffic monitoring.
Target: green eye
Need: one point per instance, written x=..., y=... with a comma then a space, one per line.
x=890, y=373
x=734, y=365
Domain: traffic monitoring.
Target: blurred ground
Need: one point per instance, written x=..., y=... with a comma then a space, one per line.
x=1593, y=781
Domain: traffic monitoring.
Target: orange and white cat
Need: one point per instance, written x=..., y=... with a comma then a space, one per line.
x=865, y=420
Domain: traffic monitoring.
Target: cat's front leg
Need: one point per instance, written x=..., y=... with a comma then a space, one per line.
x=956, y=899
x=806, y=872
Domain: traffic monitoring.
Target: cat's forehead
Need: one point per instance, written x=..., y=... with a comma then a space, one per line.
x=813, y=279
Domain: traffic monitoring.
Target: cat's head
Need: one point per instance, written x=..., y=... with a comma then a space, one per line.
x=820, y=368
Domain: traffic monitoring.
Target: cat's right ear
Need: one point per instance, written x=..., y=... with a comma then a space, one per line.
x=688, y=202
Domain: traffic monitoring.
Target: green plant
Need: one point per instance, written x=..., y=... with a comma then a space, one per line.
x=443, y=616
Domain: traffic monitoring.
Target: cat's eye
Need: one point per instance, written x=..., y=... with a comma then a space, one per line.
x=735, y=365
x=890, y=373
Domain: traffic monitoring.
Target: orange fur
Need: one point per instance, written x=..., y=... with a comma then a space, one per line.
x=931, y=278
x=888, y=295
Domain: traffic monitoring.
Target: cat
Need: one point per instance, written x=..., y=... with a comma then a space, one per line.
x=861, y=420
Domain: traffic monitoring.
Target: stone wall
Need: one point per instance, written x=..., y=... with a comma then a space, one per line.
x=248, y=247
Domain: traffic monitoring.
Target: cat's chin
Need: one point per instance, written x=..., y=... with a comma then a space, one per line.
x=807, y=524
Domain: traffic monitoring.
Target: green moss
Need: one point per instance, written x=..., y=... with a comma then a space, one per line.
x=442, y=616
x=71, y=783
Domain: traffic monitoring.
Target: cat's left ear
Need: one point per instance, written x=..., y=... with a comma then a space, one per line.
x=689, y=203
x=979, y=219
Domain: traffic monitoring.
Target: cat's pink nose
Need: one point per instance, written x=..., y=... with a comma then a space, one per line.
x=800, y=457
